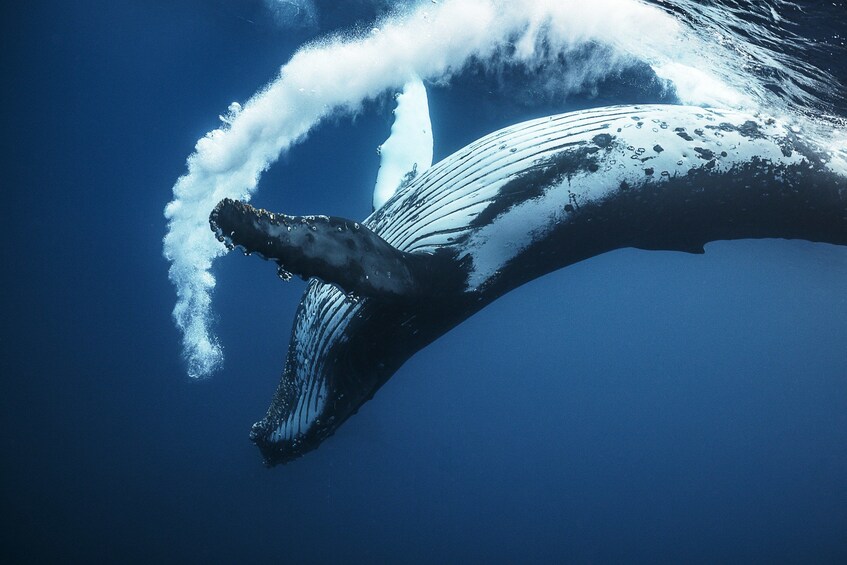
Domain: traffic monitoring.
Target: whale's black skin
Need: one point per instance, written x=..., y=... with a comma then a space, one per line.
x=508, y=208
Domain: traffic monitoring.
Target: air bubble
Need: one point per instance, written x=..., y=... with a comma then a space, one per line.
x=283, y=274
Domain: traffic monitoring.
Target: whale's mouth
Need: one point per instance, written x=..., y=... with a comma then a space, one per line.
x=345, y=340
x=326, y=376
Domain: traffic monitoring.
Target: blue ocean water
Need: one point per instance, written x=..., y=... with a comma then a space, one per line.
x=640, y=406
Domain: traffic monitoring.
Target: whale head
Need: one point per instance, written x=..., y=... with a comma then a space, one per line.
x=366, y=307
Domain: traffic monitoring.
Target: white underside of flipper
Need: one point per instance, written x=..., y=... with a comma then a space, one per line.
x=408, y=150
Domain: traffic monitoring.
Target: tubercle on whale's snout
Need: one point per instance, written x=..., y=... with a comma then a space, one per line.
x=238, y=224
x=214, y=223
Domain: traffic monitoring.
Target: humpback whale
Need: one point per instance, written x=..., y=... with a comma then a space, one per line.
x=510, y=207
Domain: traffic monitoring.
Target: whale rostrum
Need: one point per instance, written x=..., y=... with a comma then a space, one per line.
x=335, y=250
x=512, y=206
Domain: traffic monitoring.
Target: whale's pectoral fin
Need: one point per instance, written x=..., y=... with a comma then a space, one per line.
x=336, y=250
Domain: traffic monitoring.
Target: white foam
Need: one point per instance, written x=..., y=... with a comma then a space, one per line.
x=409, y=147
x=696, y=86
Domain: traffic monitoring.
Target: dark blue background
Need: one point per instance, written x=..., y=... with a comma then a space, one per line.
x=640, y=406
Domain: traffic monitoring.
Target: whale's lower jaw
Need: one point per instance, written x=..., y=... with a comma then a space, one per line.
x=539, y=196
x=363, y=341
x=278, y=453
